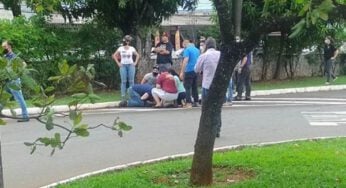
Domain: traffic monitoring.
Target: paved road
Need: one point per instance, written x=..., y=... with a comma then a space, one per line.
x=158, y=133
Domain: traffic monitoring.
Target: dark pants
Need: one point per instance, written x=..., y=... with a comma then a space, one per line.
x=190, y=84
x=244, y=79
x=218, y=118
x=329, y=69
x=181, y=97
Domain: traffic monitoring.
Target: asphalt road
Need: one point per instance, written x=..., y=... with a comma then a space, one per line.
x=160, y=132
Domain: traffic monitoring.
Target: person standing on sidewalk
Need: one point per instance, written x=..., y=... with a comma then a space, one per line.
x=164, y=53
x=127, y=67
x=330, y=54
x=188, y=74
x=207, y=63
x=244, y=78
x=16, y=93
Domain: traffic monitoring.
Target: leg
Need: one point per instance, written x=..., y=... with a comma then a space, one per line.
x=131, y=75
x=156, y=97
x=247, y=84
x=134, y=99
x=329, y=70
x=18, y=96
x=240, y=85
x=123, y=78
x=188, y=86
x=230, y=91
x=194, y=89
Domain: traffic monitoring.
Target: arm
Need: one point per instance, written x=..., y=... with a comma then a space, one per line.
x=182, y=70
x=336, y=52
x=114, y=56
x=199, y=64
x=137, y=57
x=144, y=80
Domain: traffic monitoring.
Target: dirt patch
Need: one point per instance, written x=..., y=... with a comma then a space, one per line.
x=222, y=176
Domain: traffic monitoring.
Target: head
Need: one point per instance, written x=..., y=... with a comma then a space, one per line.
x=186, y=42
x=7, y=47
x=155, y=70
x=164, y=37
x=163, y=69
x=328, y=40
x=210, y=43
x=172, y=72
x=127, y=40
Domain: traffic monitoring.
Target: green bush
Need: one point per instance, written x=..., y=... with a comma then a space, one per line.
x=43, y=45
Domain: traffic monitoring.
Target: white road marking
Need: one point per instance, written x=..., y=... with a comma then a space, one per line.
x=325, y=118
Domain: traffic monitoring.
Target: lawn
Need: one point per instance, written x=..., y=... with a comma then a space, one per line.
x=112, y=96
x=315, y=163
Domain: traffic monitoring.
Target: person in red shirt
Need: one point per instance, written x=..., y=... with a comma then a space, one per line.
x=166, y=89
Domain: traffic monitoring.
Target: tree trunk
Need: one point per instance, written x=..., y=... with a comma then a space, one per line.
x=1, y=171
x=145, y=64
x=201, y=170
x=16, y=8
x=278, y=62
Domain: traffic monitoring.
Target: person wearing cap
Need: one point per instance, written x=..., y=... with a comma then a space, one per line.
x=123, y=56
x=150, y=78
x=164, y=52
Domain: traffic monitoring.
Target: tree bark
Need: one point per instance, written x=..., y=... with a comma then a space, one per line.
x=201, y=170
x=278, y=62
x=16, y=8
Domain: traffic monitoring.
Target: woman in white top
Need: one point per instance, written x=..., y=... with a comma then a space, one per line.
x=123, y=56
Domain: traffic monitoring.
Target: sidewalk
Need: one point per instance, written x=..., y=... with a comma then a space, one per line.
x=64, y=108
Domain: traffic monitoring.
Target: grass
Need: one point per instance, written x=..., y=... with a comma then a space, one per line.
x=317, y=163
x=112, y=96
x=295, y=83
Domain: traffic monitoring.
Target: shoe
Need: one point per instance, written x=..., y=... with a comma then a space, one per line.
x=123, y=104
x=23, y=120
x=335, y=79
x=188, y=105
x=327, y=83
x=248, y=98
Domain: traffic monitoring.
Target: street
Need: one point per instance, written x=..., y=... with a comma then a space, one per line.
x=160, y=132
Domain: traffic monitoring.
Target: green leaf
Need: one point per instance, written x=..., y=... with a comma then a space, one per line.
x=46, y=141
x=55, y=78
x=64, y=68
x=73, y=103
x=81, y=132
x=77, y=119
x=49, y=89
x=49, y=123
x=123, y=126
x=2, y=122
x=28, y=144
x=324, y=16
x=93, y=98
x=72, y=115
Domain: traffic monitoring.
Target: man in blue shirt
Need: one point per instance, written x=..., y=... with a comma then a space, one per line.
x=188, y=74
x=17, y=94
x=135, y=94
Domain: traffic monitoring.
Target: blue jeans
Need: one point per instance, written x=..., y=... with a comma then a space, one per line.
x=229, y=97
x=218, y=119
x=329, y=69
x=134, y=99
x=127, y=74
x=18, y=96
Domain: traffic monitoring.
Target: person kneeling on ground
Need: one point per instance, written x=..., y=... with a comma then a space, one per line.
x=165, y=90
x=139, y=96
x=181, y=100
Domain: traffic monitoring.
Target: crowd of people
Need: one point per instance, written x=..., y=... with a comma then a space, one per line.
x=164, y=87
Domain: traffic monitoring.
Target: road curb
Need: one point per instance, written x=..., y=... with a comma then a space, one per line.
x=64, y=108
x=177, y=156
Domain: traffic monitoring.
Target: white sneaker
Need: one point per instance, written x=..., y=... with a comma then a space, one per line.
x=335, y=79
x=327, y=83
